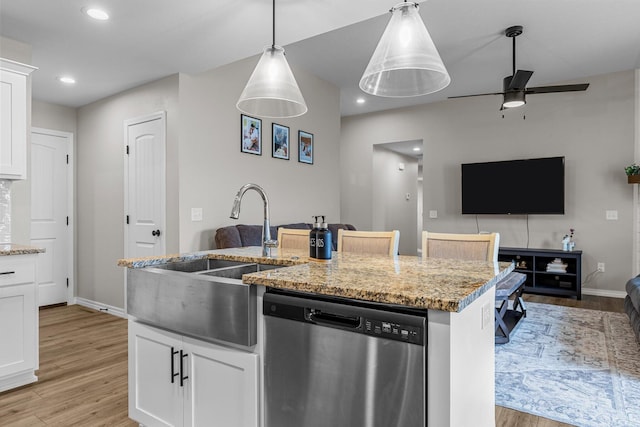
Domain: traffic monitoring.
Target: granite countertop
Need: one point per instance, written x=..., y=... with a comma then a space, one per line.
x=14, y=249
x=436, y=284
x=245, y=254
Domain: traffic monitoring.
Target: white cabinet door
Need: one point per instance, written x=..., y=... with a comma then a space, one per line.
x=219, y=386
x=18, y=321
x=17, y=307
x=13, y=119
x=222, y=386
x=155, y=395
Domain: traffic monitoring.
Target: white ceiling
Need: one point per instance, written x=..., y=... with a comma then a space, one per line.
x=406, y=148
x=563, y=40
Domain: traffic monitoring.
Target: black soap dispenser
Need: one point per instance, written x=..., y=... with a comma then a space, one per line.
x=323, y=241
x=313, y=235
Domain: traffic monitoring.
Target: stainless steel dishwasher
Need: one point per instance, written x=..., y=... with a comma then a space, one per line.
x=342, y=363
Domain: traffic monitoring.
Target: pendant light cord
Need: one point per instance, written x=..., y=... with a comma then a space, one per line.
x=273, y=9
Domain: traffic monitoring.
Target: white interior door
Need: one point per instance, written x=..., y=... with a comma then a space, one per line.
x=50, y=212
x=145, y=186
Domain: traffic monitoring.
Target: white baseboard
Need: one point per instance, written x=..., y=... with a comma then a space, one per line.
x=105, y=308
x=604, y=293
x=17, y=380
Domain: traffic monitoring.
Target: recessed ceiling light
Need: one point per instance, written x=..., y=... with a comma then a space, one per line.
x=67, y=80
x=98, y=14
x=416, y=148
x=360, y=100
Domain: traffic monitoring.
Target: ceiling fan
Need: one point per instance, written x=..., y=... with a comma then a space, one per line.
x=515, y=86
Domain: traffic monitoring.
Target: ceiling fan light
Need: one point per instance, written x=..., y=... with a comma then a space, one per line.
x=406, y=61
x=513, y=99
x=272, y=90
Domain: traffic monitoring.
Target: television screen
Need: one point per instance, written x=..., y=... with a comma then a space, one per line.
x=531, y=186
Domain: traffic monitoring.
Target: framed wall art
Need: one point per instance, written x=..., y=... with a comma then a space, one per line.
x=280, y=141
x=305, y=147
x=250, y=135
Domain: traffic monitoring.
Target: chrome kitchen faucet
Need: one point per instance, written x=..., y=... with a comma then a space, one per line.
x=267, y=242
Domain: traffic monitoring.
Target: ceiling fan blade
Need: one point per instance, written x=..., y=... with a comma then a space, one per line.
x=519, y=80
x=561, y=88
x=477, y=94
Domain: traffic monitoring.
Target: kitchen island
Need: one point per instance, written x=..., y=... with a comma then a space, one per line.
x=457, y=295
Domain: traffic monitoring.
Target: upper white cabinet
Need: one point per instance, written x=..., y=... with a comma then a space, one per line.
x=14, y=81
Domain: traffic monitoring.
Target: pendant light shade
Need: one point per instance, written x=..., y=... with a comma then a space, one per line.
x=272, y=90
x=405, y=62
x=513, y=99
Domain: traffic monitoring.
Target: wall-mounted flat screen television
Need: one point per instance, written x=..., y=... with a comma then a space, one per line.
x=530, y=186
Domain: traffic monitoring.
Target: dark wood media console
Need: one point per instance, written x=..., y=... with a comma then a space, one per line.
x=563, y=278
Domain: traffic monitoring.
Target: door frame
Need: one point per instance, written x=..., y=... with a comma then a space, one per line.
x=635, y=268
x=70, y=206
x=162, y=115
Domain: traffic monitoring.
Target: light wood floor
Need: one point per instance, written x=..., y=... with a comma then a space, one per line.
x=82, y=379
x=83, y=371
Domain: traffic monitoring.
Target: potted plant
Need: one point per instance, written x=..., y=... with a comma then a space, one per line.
x=633, y=173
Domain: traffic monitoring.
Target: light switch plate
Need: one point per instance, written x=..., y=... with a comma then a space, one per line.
x=611, y=215
x=196, y=214
x=433, y=214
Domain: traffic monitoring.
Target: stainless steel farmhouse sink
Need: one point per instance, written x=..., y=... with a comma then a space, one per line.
x=201, y=298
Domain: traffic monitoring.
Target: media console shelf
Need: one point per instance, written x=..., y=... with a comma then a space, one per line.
x=562, y=278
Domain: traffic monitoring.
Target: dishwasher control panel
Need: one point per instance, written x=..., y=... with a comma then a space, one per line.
x=357, y=318
x=394, y=331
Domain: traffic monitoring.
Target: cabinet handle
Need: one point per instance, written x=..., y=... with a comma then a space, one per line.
x=173, y=373
x=7, y=272
x=182, y=378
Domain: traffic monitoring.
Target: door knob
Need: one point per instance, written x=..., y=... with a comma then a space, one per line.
x=155, y=233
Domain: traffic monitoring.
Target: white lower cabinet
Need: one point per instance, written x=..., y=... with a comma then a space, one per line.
x=18, y=321
x=180, y=381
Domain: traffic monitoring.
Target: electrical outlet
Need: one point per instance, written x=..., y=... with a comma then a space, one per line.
x=601, y=267
x=196, y=214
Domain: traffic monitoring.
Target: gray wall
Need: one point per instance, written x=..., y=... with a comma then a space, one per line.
x=594, y=130
x=52, y=116
x=391, y=210
x=100, y=184
x=212, y=167
x=205, y=168
x=15, y=50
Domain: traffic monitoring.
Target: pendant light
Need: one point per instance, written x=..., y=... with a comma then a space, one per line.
x=272, y=90
x=405, y=62
x=513, y=99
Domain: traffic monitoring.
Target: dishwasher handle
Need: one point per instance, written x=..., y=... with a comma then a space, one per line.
x=323, y=318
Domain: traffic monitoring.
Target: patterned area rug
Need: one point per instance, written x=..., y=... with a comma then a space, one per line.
x=577, y=366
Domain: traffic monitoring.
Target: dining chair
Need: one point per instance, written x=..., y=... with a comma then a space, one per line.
x=479, y=247
x=291, y=238
x=369, y=242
